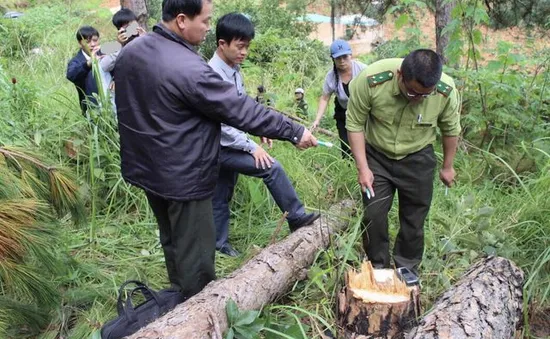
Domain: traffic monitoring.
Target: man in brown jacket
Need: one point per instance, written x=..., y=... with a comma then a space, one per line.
x=170, y=105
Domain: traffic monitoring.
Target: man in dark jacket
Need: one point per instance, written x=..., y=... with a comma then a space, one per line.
x=79, y=69
x=170, y=105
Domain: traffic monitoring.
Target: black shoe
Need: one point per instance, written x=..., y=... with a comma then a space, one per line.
x=304, y=220
x=228, y=250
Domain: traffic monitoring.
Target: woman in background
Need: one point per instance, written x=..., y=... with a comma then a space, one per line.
x=337, y=82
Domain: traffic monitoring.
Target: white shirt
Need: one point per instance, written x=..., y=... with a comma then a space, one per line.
x=330, y=86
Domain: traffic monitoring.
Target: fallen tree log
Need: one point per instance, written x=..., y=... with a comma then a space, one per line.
x=259, y=282
x=485, y=303
x=305, y=123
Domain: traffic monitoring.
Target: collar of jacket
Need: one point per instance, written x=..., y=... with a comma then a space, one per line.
x=168, y=34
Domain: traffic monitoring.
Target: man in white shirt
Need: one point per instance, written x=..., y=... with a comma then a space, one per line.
x=239, y=154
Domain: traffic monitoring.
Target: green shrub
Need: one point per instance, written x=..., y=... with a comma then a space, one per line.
x=38, y=25
x=16, y=38
x=154, y=9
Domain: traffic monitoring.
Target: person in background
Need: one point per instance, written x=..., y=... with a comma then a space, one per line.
x=395, y=107
x=301, y=104
x=79, y=69
x=121, y=20
x=170, y=106
x=261, y=97
x=337, y=82
x=239, y=154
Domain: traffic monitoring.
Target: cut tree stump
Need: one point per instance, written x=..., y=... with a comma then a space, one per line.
x=259, y=282
x=485, y=303
x=375, y=303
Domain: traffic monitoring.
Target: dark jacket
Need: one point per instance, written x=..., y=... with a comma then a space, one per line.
x=82, y=77
x=170, y=104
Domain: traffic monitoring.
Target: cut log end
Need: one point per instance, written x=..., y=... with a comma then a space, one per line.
x=377, y=303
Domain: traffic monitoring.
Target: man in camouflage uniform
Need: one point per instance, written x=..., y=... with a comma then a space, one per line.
x=395, y=106
x=300, y=103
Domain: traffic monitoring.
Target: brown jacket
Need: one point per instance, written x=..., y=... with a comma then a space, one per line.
x=170, y=104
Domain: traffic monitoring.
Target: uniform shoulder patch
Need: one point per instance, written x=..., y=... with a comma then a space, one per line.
x=444, y=89
x=379, y=78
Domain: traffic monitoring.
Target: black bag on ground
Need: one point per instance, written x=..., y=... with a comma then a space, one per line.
x=130, y=319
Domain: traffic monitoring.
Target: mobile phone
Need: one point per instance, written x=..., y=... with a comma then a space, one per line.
x=110, y=47
x=132, y=29
x=407, y=276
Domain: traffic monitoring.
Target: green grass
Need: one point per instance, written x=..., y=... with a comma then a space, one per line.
x=492, y=210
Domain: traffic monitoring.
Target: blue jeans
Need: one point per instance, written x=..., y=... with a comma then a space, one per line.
x=233, y=163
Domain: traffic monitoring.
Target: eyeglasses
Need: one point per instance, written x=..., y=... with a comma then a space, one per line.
x=412, y=94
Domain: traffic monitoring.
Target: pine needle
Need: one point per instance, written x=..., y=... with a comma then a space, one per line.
x=17, y=217
x=38, y=179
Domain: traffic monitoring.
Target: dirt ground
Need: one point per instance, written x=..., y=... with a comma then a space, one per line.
x=540, y=324
x=110, y=3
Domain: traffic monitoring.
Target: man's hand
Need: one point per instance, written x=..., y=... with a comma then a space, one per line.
x=307, y=141
x=314, y=125
x=262, y=158
x=267, y=141
x=121, y=36
x=94, y=56
x=96, y=50
x=366, y=180
x=447, y=176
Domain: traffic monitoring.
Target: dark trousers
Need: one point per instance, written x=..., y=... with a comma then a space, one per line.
x=233, y=163
x=412, y=177
x=343, y=135
x=187, y=237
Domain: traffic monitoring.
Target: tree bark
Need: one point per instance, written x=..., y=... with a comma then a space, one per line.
x=139, y=7
x=443, y=9
x=259, y=282
x=485, y=303
x=333, y=18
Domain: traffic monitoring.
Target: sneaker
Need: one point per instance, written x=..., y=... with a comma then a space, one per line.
x=304, y=220
x=228, y=250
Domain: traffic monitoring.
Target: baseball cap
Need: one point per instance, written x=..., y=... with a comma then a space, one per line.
x=299, y=90
x=340, y=47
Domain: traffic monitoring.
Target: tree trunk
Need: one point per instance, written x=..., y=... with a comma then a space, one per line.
x=443, y=9
x=376, y=303
x=139, y=7
x=259, y=282
x=333, y=18
x=485, y=303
